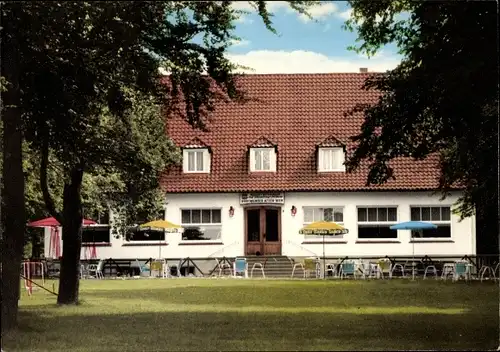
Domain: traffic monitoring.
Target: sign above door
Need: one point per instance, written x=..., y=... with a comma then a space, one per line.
x=262, y=198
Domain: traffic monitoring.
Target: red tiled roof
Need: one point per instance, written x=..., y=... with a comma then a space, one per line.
x=297, y=112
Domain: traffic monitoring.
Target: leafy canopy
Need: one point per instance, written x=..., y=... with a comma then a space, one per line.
x=442, y=98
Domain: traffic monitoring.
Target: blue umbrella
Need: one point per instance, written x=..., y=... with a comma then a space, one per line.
x=413, y=226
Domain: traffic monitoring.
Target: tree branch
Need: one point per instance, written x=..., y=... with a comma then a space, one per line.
x=49, y=202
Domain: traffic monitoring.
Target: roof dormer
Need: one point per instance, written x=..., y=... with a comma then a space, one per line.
x=262, y=155
x=196, y=157
x=330, y=155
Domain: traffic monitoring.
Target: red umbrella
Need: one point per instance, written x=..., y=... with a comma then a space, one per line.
x=55, y=241
x=47, y=222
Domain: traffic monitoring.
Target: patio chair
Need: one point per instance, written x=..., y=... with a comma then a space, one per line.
x=448, y=269
x=260, y=267
x=144, y=270
x=95, y=270
x=430, y=269
x=397, y=267
x=461, y=270
x=240, y=266
x=361, y=267
x=156, y=268
x=385, y=267
x=486, y=269
x=348, y=267
x=165, y=269
x=331, y=268
x=223, y=266
x=312, y=265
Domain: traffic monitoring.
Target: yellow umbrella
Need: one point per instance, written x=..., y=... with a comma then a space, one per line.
x=323, y=228
x=163, y=225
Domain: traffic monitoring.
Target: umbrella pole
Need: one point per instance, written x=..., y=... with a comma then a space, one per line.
x=413, y=260
x=324, y=273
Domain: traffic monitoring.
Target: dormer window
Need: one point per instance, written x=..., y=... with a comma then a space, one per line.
x=331, y=159
x=196, y=157
x=262, y=159
x=262, y=155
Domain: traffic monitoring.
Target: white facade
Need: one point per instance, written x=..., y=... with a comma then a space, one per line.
x=232, y=239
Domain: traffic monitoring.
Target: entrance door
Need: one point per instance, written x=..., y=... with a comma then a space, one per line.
x=263, y=231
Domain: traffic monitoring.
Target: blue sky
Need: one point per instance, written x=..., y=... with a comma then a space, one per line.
x=302, y=46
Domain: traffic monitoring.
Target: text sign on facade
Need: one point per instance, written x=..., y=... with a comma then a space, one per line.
x=262, y=198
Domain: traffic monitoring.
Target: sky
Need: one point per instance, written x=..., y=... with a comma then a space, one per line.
x=302, y=45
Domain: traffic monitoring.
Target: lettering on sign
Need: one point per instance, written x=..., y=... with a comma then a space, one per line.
x=262, y=198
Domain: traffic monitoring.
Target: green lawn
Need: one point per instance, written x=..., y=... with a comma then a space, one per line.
x=231, y=314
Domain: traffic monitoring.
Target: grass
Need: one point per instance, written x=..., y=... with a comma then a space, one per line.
x=257, y=315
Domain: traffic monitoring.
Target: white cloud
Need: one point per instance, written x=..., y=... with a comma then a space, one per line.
x=320, y=11
x=345, y=14
x=244, y=20
x=300, y=61
x=242, y=42
x=271, y=5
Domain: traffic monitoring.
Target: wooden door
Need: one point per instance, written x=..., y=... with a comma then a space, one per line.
x=263, y=231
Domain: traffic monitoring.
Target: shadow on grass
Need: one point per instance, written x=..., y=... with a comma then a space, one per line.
x=203, y=331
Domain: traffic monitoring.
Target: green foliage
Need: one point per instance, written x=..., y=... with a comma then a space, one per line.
x=442, y=98
x=92, y=92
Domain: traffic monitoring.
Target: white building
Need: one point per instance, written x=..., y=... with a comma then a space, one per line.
x=267, y=167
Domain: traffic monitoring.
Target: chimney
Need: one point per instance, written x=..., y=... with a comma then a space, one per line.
x=363, y=70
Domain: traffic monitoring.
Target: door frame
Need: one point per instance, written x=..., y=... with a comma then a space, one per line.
x=262, y=209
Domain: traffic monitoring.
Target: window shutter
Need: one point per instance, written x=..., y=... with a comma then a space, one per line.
x=185, y=161
x=252, y=159
x=272, y=159
x=206, y=161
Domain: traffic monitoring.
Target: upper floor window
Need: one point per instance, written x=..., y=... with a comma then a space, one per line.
x=196, y=160
x=262, y=159
x=331, y=159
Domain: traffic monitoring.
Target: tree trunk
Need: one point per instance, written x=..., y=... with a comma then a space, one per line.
x=13, y=212
x=69, y=280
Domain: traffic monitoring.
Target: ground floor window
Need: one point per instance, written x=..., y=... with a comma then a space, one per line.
x=138, y=234
x=440, y=216
x=201, y=224
x=375, y=222
x=96, y=234
x=330, y=214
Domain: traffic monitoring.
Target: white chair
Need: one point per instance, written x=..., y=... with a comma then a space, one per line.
x=260, y=267
x=448, y=269
x=398, y=266
x=223, y=266
x=331, y=268
x=95, y=270
x=165, y=269
x=240, y=266
x=496, y=271
x=430, y=269
x=385, y=267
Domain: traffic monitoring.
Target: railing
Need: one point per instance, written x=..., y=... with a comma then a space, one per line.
x=302, y=247
x=220, y=252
